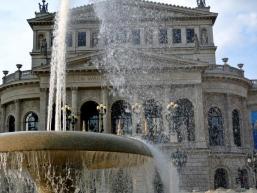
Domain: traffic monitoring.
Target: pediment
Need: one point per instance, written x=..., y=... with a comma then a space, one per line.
x=146, y=59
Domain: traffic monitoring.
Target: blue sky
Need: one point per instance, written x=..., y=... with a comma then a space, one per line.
x=235, y=31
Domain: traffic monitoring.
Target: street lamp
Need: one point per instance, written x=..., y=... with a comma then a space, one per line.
x=102, y=111
x=179, y=159
x=71, y=118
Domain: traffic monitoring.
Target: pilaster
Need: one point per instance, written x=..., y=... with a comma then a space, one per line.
x=228, y=128
x=43, y=109
x=3, y=123
x=200, y=133
x=17, y=115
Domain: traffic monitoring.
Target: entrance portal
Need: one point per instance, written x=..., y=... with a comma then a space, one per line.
x=89, y=117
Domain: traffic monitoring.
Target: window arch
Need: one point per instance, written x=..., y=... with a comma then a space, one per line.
x=236, y=127
x=153, y=121
x=215, y=123
x=244, y=179
x=183, y=120
x=31, y=122
x=221, y=178
x=121, y=117
x=11, y=123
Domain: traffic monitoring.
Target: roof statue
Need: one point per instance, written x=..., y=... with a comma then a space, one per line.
x=201, y=3
x=44, y=7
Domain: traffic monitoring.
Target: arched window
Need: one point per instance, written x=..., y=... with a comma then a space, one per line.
x=183, y=120
x=221, y=179
x=11, y=123
x=31, y=122
x=216, y=131
x=153, y=120
x=236, y=127
x=90, y=117
x=121, y=118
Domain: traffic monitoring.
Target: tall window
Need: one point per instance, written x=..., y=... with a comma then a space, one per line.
x=136, y=36
x=82, y=39
x=221, y=179
x=163, y=36
x=121, y=118
x=243, y=176
x=31, y=122
x=158, y=185
x=216, y=131
x=236, y=127
x=190, y=33
x=153, y=121
x=176, y=34
x=69, y=39
x=183, y=120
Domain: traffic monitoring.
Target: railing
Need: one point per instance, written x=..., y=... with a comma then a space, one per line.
x=254, y=83
x=224, y=69
x=19, y=75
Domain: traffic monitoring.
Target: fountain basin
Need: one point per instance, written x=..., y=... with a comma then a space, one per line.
x=76, y=150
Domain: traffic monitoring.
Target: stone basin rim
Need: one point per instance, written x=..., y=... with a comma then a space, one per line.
x=26, y=141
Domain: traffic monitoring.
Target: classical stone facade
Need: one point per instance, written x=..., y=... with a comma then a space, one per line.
x=217, y=133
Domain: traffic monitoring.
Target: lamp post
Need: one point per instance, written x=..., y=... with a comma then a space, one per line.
x=251, y=161
x=102, y=111
x=71, y=118
x=136, y=109
x=179, y=159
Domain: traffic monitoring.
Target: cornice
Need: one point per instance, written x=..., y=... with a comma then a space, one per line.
x=18, y=83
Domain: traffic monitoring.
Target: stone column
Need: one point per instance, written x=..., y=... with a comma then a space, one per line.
x=3, y=123
x=74, y=103
x=43, y=109
x=17, y=116
x=200, y=133
x=104, y=94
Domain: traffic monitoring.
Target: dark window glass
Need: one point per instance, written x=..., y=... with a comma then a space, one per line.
x=153, y=121
x=220, y=179
x=82, y=39
x=136, y=37
x=94, y=39
x=31, y=122
x=243, y=178
x=69, y=40
x=121, y=118
x=176, y=33
x=216, y=131
x=149, y=36
x=236, y=128
x=11, y=123
x=190, y=35
x=121, y=36
x=163, y=36
x=182, y=121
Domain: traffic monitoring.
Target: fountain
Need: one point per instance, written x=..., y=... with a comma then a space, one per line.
x=76, y=162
